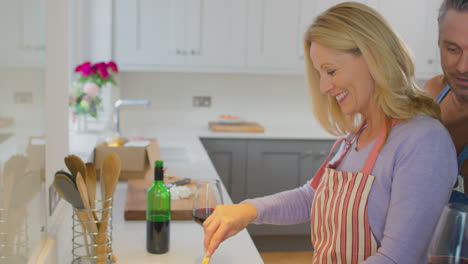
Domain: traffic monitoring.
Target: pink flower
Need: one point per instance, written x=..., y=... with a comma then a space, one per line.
x=103, y=72
x=112, y=66
x=85, y=69
x=91, y=89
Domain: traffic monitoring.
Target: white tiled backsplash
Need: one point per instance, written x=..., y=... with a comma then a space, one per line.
x=246, y=95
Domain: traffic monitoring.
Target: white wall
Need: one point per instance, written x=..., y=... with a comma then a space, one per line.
x=253, y=97
x=239, y=94
x=23, y=80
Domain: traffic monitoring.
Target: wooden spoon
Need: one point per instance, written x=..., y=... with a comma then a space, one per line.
x=75, y=165
x=67, y=190
x=110, y=173
x=206, y=260
x=91, y=183
x=72, y=178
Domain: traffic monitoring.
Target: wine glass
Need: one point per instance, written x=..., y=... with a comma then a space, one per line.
x=450, y=241
x=207, y=197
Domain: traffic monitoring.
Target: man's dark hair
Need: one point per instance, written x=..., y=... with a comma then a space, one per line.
x=459, y=5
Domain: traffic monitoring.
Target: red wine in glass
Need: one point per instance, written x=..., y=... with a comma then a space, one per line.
x=201, y=214
x=207, y=197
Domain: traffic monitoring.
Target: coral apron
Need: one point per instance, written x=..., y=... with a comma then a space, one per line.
x=339, y=223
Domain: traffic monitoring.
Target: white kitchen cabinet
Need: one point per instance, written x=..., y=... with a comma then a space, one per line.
x=276, y=32
x=145, y=32
x=416, y=23
x=179, y=34
x=255, y=36
x=23, y=44
x=432, y=61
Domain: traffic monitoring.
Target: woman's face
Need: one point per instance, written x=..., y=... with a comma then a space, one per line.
x=345, y=77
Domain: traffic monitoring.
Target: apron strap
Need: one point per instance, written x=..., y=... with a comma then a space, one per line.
x=442, y=94
x=462, y=157
x=318, y=175
x=370, y=162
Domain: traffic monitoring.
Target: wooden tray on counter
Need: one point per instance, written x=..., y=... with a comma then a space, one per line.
x=242, y=127
x=135, y=202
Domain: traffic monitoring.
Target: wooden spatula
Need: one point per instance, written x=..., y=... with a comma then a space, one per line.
x=206, y=260
x=110, y=173
x=91, y=183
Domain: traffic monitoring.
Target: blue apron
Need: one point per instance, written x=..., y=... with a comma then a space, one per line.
x=456, y=197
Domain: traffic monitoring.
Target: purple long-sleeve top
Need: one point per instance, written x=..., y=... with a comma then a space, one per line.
x=414, y=175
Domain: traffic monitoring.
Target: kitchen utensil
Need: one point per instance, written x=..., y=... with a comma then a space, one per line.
x=177, y=183
x=207, y=197
x=109, y=178
x=450, y=241
x=206, y=260
x=75, y=165
x=91, y=187
x=72, y=178
x=67, y=190
x=80, y=184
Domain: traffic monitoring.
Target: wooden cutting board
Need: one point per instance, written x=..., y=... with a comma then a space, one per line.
x=135, y=204
x=242, y=127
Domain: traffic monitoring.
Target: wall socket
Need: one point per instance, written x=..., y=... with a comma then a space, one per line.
x=23, y=97
x=201, y=101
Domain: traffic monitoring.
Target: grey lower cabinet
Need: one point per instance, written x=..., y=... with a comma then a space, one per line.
x=229, y=157
x=253, y=168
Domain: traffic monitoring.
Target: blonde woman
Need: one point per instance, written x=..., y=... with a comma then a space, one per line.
x=379, y=198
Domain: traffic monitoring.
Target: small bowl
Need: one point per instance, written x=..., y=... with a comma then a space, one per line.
x=231, y=120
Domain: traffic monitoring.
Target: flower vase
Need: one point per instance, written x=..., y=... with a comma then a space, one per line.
x=81, y=123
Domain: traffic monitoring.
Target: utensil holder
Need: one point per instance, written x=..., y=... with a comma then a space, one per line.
x=87, y=234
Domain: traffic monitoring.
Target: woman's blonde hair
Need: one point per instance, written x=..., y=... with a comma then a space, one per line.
x=358, y=29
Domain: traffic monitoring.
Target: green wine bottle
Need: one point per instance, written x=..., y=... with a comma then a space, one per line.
x=158, y=213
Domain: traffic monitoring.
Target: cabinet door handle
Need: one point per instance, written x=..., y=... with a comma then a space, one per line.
x=306, y=154
x=321, y=154
x=178, y=52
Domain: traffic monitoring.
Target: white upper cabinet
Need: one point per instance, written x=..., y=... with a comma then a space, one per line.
x=276, y=32
x=416, y=23
x=146, y=32
x=256, y=36
x=217, y=33
x=275, y=35
x=24, y=42
x=179, y=34
x=432, y=61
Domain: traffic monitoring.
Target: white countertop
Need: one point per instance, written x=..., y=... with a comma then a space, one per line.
x=186, y=241
x=184, y=156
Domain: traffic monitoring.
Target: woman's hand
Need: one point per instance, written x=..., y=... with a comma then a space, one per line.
x=226, y=221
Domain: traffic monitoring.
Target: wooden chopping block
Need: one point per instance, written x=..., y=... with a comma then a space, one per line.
x=135, y=203
x=242, y=127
